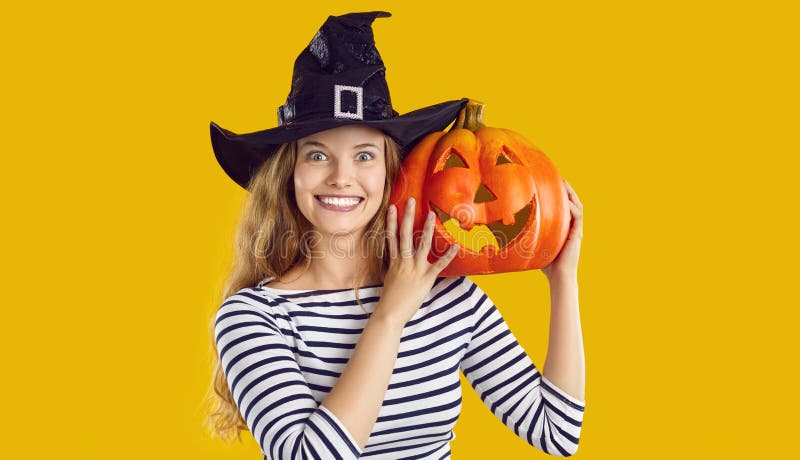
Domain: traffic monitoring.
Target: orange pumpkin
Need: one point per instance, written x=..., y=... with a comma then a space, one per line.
x=494, y=193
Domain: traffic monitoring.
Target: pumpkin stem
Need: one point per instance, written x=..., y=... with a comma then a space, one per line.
x=471, y=116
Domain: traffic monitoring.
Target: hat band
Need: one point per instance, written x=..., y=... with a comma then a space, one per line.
x=347, y=103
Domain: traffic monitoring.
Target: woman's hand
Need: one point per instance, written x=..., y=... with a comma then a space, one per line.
x=410, y=276
x=566, y=264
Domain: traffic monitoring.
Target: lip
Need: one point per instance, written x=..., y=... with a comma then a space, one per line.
x=331, y=207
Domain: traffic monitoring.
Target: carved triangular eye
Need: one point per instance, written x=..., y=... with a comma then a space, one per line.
x=483, y=195
x=454, y=161
x=502, y=159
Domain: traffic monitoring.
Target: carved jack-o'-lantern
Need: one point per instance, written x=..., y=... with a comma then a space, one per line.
x=494, y=193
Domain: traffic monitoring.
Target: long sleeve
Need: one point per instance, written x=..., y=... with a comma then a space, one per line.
x=510, y=385
x=270, y=391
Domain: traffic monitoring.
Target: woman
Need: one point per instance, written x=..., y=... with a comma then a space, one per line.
x=316, y=364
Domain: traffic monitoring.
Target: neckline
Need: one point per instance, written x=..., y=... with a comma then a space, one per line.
x=261, y=285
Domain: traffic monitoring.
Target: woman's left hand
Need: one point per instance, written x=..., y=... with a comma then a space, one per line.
x=566, y=263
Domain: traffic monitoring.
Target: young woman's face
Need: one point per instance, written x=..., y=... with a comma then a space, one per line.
x=339, y=178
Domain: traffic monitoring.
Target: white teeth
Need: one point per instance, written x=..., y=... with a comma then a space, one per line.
x=339, y=202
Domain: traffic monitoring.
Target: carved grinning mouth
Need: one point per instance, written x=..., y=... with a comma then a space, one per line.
x=480, y=235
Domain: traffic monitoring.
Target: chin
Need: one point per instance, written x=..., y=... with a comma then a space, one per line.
x=340, y=232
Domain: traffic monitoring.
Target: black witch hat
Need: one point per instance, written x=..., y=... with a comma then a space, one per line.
x=339, y=79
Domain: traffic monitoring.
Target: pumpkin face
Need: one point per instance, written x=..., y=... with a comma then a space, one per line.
x=493, y=192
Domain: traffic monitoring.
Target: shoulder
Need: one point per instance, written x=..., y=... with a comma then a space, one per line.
x=455, y=289
x=248, y=300
x=461, y=283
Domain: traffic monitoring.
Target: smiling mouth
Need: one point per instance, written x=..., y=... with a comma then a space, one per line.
x=495, y=234
x=339, y=204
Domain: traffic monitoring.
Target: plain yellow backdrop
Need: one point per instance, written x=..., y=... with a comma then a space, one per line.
x=675, y=122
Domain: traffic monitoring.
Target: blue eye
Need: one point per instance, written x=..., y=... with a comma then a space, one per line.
x=312, y=155
x=369, y=155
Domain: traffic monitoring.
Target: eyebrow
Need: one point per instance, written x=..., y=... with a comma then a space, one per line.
x=320, y=144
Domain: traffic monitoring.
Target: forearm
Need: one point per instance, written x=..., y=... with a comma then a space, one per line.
x=565, y=365
x=357, y=397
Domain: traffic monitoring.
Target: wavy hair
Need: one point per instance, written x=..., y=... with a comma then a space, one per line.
x=272, y=237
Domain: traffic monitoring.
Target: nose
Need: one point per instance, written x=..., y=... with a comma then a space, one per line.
x=342, y=174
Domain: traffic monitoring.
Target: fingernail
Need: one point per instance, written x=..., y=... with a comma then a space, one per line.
x=410, y=201
x=430, y=215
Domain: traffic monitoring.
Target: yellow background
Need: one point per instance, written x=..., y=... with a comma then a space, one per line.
x=675, y=122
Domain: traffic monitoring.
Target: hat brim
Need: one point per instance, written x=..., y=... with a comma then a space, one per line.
x=240, y=155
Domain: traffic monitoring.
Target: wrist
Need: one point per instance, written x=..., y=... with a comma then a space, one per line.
x=565, y=278
x=386, y=318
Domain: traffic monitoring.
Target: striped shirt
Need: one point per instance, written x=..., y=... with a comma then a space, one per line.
x=283, y=350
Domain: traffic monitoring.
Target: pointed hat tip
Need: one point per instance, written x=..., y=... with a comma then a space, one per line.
x=371, y=15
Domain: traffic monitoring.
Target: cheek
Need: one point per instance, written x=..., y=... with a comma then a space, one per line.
x=303, y=186
x=375, y=182
x=299, y=185
x=304, y=180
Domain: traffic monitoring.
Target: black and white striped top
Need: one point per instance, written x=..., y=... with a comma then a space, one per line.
x=283, y=350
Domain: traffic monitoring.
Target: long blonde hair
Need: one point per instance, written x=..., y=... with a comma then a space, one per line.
x=272, y=237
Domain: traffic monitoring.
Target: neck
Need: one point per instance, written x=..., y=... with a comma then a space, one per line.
x=337, y=261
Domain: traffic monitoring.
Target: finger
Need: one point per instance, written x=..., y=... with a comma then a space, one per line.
x=391, y=230
x=572, y=194
x=425, y=240
x=576, y=223
x=406, y=244
x=442, y=262
x=577, y=212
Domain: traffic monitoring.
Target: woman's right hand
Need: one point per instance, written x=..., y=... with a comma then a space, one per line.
x=410, y=276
